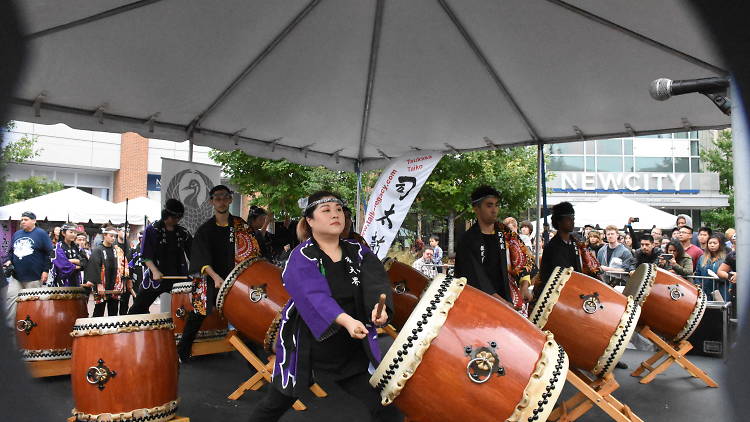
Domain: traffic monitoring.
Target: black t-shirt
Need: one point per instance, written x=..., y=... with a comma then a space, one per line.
x=339, y=356
x=169, y=260
x=491, y=263
x=610, y=251
x=110, y=267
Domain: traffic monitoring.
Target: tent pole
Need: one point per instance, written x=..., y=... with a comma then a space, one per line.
x=539, y=159
x=543, y=174
x=357, y=213
x=190, y=149
x=741, y=153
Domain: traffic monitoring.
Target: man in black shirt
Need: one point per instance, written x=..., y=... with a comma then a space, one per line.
x=561, y=251
x=164, y=250
x=648, y=253
x=483, y=255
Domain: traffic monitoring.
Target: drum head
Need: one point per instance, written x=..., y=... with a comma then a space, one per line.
x=639, y=284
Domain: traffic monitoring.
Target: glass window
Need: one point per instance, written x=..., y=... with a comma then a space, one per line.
x=627, y=145
x=571, y=163
x=610, y=164
x=590, y=147
x=681, y=165
x=590, y=164
x=567, y=148
x=694, y=148
x=629, y=164
x=609, y=147
x=654, y=164
x=658, y=136
x=681, y=135
x=695, y=164
x=693, y=134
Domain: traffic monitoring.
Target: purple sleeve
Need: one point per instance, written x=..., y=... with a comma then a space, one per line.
x=311, y=294
x=63, y=266
x=148, y=243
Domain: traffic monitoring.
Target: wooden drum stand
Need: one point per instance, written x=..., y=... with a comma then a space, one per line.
x=675, y=353
x=592, y=391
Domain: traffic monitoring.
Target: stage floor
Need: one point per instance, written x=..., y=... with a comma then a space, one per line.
x=206, y=382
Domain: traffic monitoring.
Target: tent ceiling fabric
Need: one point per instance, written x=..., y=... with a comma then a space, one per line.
x=290, y=78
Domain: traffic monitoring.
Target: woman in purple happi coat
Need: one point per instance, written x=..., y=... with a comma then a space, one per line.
x=69, y=261
x=327, y=333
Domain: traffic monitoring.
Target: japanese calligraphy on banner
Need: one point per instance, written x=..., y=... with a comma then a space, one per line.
x=392, y=197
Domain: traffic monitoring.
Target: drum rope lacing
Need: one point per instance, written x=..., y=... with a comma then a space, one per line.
x=549, y=289
x=154, y=414
x=400, y=354
x=626, y=332
x=695, y=318
x=642, y=294
x=46, y=354
x=79, y=330
x=231, y=278
x=551, y=386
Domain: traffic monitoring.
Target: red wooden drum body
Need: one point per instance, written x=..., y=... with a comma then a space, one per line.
x=124, y=368
x=591, y=320
x=252, y=296
x=674, y=306
x=464, y=355
x=214, y=326
x=408, y=286
x=45, y=317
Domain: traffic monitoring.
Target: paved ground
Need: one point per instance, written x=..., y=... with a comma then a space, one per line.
x=206, y=382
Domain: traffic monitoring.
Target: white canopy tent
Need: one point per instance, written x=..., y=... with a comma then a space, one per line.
x=349, y=83
x=70, y=204
x=616, y=209
x=138, y=208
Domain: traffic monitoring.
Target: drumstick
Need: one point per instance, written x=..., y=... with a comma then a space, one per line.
x=174, y=277
x=381, y=303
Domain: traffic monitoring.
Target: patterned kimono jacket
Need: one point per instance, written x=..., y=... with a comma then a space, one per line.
x=310, y=314
x=63, y=272
x=519, y=263
x=107, y=270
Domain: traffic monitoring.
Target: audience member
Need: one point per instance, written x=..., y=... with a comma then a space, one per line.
x=679, y=262
x=424, y=263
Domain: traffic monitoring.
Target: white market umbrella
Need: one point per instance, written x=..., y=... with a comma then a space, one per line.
x=337, y=82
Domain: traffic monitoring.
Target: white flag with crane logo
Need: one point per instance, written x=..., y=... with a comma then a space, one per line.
x=189, y=182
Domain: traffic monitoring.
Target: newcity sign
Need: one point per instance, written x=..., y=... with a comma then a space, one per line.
x=623, y=182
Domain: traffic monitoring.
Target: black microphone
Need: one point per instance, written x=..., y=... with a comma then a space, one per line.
x=663, y=88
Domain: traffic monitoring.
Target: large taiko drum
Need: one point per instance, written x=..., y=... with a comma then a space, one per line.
x=464, y=355
x=408, y=285
x=124, y=368
x=592, y=321
x=44, y=318
x=213, y=327
x=672, y=306
x=252, y=296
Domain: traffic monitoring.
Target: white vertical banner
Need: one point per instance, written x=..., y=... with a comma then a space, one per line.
x=393, y=195
x=190, y=183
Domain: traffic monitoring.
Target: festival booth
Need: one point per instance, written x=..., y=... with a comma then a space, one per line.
x=356, y=86
x=69, y=204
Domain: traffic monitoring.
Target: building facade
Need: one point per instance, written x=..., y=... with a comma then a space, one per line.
x=112, y=166
x=664, y=171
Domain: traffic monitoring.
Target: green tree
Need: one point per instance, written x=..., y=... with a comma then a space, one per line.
x=278, y=184
x=720, y=160
x=17, y=152
x=512, y=171
x=32, y=187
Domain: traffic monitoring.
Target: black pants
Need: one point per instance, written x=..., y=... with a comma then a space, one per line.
x=110, y=304
x=124, y=302
x=146, y=298
x=192, y=326
x=358, y=401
